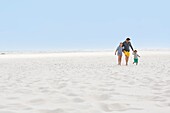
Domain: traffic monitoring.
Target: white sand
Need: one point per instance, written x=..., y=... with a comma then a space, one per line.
x=88, y=82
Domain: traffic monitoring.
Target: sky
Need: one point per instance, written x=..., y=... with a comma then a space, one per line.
x=83, y=24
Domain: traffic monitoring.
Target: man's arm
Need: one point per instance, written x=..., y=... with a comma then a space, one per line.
x=123, y=46
x=131, y=47
x=133, y=53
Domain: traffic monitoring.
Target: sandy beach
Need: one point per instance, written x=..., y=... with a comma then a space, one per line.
x=84, y=82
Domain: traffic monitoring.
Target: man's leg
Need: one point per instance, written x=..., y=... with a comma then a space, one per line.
x=127, y=59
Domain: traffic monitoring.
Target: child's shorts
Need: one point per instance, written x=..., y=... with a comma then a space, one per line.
x=135, y=60
x=119, y=54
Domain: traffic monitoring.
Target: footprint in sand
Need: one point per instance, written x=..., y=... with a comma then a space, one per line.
x=7, y=112
x=71, y=94
x=102, y=97
x=37, y=101
x=15, y=106
x=2, y=107
x=62, y=85
x=78, y=100
x=61, y=100
x=53, y=111
x=167, y=91
x=13, y=98
x=159, y=98
x=114, y=107
x=117, y=107
x=163, y=105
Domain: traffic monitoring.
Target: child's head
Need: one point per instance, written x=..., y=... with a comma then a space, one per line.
x=121, y=44
x=135, y=51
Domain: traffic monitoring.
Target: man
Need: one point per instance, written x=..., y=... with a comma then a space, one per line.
x=126, y=49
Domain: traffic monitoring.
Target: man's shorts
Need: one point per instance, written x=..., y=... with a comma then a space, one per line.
x=135, y=60
x=127, y=53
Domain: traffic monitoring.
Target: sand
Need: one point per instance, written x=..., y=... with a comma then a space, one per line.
x=84, y=82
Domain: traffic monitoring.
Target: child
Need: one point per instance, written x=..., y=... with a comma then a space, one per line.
x=119, y=50
x=135, y=57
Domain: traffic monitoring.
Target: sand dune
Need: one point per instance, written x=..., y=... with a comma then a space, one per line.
x=84, y=82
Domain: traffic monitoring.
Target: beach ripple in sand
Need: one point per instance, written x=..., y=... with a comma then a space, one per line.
x=83, y=83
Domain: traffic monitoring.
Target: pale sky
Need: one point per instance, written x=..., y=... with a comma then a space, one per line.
x=83, y=24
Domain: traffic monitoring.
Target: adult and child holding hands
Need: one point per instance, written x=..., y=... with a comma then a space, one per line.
x=125, y=48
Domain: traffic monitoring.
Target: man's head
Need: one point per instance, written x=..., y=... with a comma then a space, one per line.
x=128, y=40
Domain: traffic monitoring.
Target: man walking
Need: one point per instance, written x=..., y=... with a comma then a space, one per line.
x=126, y=45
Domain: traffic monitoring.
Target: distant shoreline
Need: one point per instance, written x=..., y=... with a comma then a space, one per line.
x=65, y=52
x=74, y=51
